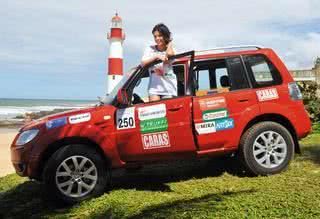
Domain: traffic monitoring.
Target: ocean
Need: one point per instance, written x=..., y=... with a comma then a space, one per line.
x=10, y=108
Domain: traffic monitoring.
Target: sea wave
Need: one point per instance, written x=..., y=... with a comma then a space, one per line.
x=10, y=112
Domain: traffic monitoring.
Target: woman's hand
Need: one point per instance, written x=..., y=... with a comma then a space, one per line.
x=163, y=58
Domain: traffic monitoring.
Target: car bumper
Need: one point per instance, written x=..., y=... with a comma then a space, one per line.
x=302, y=122
x=23, y=163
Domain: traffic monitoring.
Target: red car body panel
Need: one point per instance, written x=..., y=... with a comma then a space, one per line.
x=99, y=129
x=182, y=114
x=178, y=113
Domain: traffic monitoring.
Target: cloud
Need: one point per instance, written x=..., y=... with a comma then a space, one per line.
x=49, y=37
x=208, y=24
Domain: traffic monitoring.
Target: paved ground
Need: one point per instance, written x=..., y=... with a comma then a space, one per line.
x=6, y=137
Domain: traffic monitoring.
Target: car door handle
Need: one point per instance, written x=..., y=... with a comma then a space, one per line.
x=243, y=100
x=175, y=107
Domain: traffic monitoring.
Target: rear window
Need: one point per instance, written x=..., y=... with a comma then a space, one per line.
x=261, y=71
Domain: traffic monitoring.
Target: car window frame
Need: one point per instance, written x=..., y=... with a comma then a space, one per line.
x=275, y=73
x=245, y=72
x=210, y=73
x=130, y=84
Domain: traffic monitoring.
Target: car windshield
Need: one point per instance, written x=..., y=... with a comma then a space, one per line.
x=109, y=98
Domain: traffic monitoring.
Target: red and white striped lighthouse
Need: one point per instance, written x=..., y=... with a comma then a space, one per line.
x=115, y=60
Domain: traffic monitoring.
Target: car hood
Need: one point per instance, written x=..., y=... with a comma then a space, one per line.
x=105, y=109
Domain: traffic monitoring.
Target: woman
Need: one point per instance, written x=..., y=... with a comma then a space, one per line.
x=163, y=82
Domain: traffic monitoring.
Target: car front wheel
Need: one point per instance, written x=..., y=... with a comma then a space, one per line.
x=266, y=148
x=74, y=173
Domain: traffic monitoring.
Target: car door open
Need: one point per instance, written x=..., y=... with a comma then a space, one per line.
x=161, y=129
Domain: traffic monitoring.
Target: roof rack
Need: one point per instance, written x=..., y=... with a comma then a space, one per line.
x=228, y=49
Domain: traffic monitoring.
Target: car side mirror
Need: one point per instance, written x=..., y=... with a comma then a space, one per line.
x=122, y=97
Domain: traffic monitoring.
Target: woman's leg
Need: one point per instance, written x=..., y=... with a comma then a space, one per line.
x=154, y=98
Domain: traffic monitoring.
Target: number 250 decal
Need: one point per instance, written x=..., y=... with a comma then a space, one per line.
x=125, y=123
x=125, y=118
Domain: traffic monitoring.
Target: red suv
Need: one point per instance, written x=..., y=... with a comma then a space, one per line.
x=236, y=100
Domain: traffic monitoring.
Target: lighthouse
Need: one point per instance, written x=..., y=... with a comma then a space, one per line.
x=115, y=59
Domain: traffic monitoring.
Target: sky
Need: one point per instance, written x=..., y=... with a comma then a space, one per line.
x=52, y=50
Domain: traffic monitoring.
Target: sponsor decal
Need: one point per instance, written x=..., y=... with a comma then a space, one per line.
x=267, y=94
x=155, y=140
x=84, y=117
x=214, y=114
x=214, y=126
x=56, y=123
x=206, y=127
x=154, y=125
x=125, y=118
x=212, y=103
x=223, y=124
x=152, y=112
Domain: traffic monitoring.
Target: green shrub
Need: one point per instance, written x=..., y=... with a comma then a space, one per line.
x=316, y=127
x=311, y=99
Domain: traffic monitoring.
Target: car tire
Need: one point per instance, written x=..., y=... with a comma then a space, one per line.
x=266, y=148
x=75, y=173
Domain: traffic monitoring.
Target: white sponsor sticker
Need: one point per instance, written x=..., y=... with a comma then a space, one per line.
x=155, y=140
x=125, y=118
x=217, y=114
x=84, y=117
x=152, y=112
x=206, y=127
x=267, y=94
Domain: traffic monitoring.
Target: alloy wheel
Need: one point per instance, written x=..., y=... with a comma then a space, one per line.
x=270, y=149
x=76, y=176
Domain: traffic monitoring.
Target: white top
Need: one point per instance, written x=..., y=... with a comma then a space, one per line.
x=162, y=79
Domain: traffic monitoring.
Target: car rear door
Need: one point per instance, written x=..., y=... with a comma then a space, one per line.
x=218, y=113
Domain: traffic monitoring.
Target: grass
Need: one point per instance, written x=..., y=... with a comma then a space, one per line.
x=189, y=189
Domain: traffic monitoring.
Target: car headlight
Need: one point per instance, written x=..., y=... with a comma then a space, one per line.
x=27, y=136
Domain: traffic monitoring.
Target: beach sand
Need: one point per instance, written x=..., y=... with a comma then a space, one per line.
x=6, y=137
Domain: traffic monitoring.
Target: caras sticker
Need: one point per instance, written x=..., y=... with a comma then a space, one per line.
x=155, y=140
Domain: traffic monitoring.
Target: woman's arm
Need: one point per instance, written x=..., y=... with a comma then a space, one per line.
x=145, y=62
x=147, y=58
x=170, y=50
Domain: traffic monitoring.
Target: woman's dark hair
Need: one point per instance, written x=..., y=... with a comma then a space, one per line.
x=164, y=30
